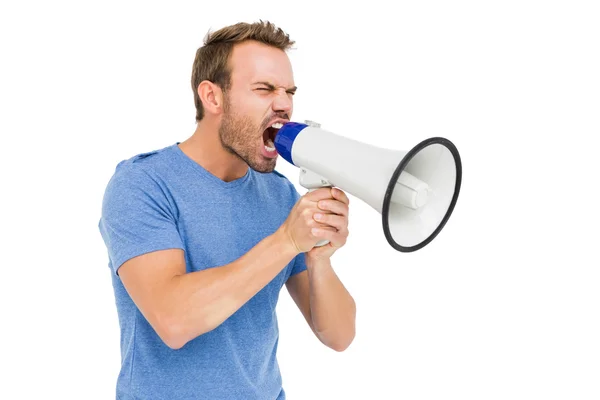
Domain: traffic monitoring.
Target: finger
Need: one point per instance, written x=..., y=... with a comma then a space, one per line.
x=338, y=194
x=336, y=239
x=335, y=206
x=319, y=232
x=319, y=194
x=324, y=227
x=339, y=222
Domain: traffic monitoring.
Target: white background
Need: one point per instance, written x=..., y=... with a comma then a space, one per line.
x=503, y=304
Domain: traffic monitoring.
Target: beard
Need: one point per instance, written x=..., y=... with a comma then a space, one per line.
x=240, y=137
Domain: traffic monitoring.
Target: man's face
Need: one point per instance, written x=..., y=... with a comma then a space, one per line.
x=260, y=94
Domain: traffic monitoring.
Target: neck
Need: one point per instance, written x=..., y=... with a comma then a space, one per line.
x=205, y=148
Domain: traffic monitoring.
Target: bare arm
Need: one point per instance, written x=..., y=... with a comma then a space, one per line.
x=181, y=306
x=328, y=308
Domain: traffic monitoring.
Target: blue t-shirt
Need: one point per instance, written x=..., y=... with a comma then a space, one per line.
x=163, y=200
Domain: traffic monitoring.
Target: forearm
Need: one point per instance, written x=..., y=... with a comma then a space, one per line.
x=200, y=301
x=333, y=310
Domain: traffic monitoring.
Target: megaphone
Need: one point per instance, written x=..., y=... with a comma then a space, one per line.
x=415, y=191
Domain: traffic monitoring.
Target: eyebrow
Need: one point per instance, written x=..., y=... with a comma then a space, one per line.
x=272, y=87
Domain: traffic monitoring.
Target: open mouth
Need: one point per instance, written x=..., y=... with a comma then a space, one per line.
x=269, y=136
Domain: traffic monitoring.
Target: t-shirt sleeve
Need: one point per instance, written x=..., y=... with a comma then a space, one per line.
x=299, y=264
x=136, y=217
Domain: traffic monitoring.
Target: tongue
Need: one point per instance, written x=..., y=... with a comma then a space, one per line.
x=269, y=143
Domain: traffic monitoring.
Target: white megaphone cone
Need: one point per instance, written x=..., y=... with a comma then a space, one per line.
x=415, y=191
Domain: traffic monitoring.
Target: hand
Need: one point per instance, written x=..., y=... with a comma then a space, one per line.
x=300, y=222
x=333, y=224
x=304, y=228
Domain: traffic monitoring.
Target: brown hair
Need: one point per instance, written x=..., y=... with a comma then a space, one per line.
x=211, y=59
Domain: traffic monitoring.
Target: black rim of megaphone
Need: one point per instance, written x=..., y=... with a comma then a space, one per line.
x=388, y=194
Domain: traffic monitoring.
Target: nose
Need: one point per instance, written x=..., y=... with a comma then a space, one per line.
x=283, y=102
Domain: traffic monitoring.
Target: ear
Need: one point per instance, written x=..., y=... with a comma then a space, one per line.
x=211, y=96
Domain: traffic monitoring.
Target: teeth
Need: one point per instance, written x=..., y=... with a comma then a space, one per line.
x=269, y=145
x=277, y=125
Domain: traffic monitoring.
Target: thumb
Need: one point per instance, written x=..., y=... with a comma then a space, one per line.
x=319, y=194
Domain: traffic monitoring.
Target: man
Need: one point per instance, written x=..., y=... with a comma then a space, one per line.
x=203, y=234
